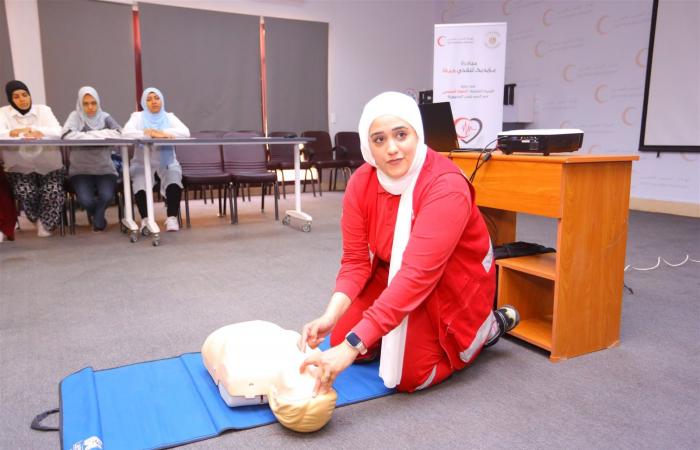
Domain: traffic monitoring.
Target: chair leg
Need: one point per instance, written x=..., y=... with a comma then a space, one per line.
x=249, y=192
x=262, y=197
x=320, y=181
x=226, y=196
x=72, y=215
x=234, y=206
x=284, y=186
x=187, y=207
x=219, y=189
x=277, y=194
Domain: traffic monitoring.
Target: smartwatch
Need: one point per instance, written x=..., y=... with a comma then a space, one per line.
x=355, y=342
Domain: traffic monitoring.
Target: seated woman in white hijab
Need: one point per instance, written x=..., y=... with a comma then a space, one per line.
x=255, y=362
x=417, y=276
x=91, y=170
x=155, y=122
x=35, y=173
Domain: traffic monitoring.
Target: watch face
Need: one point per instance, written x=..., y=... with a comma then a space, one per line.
x=353, y=339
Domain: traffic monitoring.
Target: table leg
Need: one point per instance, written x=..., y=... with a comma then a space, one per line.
x=128, y=219
x=152, y=225
x=296, y=213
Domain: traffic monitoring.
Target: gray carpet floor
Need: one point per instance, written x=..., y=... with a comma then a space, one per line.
x=98, y=300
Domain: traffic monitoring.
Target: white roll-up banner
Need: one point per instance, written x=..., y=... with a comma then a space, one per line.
x=469, y=72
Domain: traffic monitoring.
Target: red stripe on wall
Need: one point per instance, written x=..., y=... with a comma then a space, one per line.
x=137, y=57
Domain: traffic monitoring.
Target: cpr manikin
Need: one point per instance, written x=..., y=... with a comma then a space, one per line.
x=256, y=362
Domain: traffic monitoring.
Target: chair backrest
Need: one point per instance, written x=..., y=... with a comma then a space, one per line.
x=350, y=141
x=201, y=157
x=322, y=149
x=244, y=157
x=282, y=152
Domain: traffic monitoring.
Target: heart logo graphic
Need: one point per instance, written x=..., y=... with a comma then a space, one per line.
x=468, y=129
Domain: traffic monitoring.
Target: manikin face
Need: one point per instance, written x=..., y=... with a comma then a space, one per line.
x=89, y=105
x=153, y=102
x=22, y=99
x=393, y=143
x=249, y=359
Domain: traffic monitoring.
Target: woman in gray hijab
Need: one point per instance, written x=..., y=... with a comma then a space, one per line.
x=91, y=170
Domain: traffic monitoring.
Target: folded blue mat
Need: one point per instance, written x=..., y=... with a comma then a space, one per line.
x=171, y=402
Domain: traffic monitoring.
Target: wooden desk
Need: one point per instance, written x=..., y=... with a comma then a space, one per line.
x=570, y=302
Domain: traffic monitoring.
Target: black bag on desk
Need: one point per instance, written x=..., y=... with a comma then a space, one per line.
x=513, y=250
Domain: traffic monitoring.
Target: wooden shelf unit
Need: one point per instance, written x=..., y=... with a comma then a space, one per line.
x=569, y=302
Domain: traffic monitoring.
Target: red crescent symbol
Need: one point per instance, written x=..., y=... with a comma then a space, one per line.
x=637, y=58
x=538, y=52
x=625, y=119
x=441, y=41
x=565, y=73
x=590, y=149
x=544, y=17
x=599, y=26
x=504, y=7
x=597, y=93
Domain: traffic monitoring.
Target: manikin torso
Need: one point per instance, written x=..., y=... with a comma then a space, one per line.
x=250, y=361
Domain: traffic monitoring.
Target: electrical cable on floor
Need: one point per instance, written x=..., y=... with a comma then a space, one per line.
x=659, y=260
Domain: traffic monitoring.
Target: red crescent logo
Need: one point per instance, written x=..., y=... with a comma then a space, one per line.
x=538, y=51
x=599, y=94
x=544, y=17
x=504, y=7
x=599, y=26
x=565, y=73
x=441, y=41
x=625, y=115
x=638, y=58
x=590, y=149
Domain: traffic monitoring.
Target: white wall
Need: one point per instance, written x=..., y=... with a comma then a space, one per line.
x=585, y=64
x=25, y=44
x=373, y=45
x=583, y=61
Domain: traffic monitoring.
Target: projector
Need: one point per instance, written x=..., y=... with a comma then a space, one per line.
x=540, y=141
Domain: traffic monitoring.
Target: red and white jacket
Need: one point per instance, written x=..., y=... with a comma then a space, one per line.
x=448, y=261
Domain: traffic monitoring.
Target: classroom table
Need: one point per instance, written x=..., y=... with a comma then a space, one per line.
x=294, y=216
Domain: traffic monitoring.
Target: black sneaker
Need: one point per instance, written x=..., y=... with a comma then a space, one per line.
x=507, y=318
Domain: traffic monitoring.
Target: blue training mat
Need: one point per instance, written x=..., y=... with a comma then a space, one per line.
x=171, y=402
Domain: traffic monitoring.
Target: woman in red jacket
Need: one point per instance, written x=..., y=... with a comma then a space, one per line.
x=417, y=277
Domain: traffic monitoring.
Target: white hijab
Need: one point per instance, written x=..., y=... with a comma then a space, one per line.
x=405, y=108
x=96, y=122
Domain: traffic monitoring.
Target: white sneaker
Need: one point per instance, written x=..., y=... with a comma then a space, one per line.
x=2, y=236
x=143, y=229
x=171, y=224
x=41, y=231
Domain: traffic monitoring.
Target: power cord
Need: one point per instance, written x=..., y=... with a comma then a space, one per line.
x=659, y=260
x=484, y=156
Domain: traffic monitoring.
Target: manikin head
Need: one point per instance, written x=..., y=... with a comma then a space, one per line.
x=251, y=361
